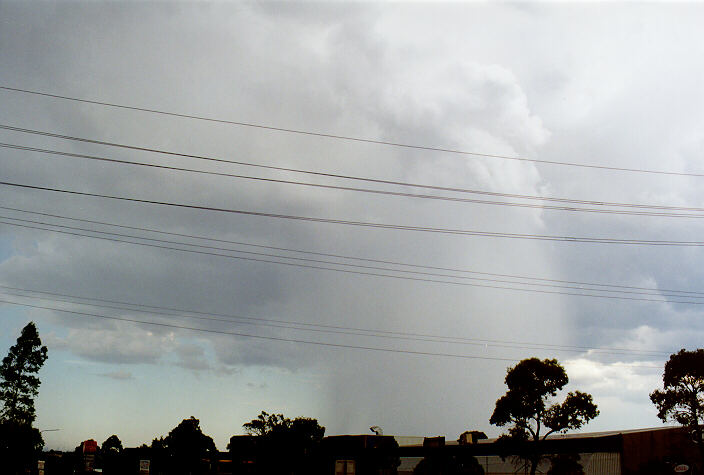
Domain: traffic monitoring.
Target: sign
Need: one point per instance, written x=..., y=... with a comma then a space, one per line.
x=144, y=467
x=681, y=468
x=90, y=446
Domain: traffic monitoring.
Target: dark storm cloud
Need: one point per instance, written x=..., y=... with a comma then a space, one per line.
x=368, y=71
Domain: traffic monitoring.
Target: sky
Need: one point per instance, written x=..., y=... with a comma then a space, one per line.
x=271, y=286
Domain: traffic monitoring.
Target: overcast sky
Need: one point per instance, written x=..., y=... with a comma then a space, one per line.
x=612, y=85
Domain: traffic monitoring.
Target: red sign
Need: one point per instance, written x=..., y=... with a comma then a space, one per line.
x=681, y=468
x=90, y=446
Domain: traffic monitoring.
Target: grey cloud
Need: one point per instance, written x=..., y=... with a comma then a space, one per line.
x=128, y=345
x=118, y=375
x=191, y=356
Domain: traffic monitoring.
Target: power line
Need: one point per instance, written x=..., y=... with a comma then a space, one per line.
x=363, y=190
x=273, y=338
x=351, y=177
x=291, y=325
x=550, y=283
x=347, y=271
x=261, y=337
x=350, y=138
x=658, y=291
x=463, y=232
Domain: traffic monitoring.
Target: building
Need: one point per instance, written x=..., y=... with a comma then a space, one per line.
x=656, y=450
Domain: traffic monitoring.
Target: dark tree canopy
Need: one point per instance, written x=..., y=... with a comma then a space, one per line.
x=266, y=424
x=297, y=441
x=112, y=444
x=19, y=446
x=565, y=464
x=19, y=384
x=187, y=447
x=20, y=443
x=682, y=396
x=276, y=426
x=526, y=407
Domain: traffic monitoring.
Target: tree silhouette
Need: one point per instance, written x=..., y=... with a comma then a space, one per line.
x=19, y=446
x=18, y=383
x=111, y=456
x=188, y=447
x=565, y=464
x=19, y=441
x=112, y=444
x=531, y=385
x=682, y=397
x=296, y=441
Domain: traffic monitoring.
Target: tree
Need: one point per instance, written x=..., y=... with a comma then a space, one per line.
x=19, y=446
x=296, y=441
x=112, y=445
x=565, y=464
x=682, y=396
x=301, y=430
x=188, y=447
x=525, y=407
x=20, y=443
x=266, y=424
x=111, y=456
x=18, y=383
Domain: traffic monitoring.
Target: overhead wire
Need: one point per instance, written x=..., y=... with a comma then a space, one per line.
x=279, y=339
x=312, y=327
x=629, y=212
x=184, y=247
x=658, y=291
x=347, y=137
x=349, y=177
x=400, y=227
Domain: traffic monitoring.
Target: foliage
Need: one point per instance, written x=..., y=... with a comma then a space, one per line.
x=20, y=443
x=112, y=457
x=19, y=446
x=112, y=444
x=565, y=464
x=525, y=407
x=682, y=396
x=18, y=383
x=278, y=428
x=296, y=440
x=187, y=447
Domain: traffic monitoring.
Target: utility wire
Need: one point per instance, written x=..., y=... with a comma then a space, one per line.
x=322, y=325
x=656, y=291
x=583, y=287
x=273, y=338
x=347, y=271
x=291, y=325
x=350, y=138
x=463, y=232
x=363, y=190
x=351, y=177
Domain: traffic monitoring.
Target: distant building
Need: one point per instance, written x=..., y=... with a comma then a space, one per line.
x=656, y=450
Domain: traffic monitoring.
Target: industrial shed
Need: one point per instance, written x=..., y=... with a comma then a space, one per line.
x=654, y=450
